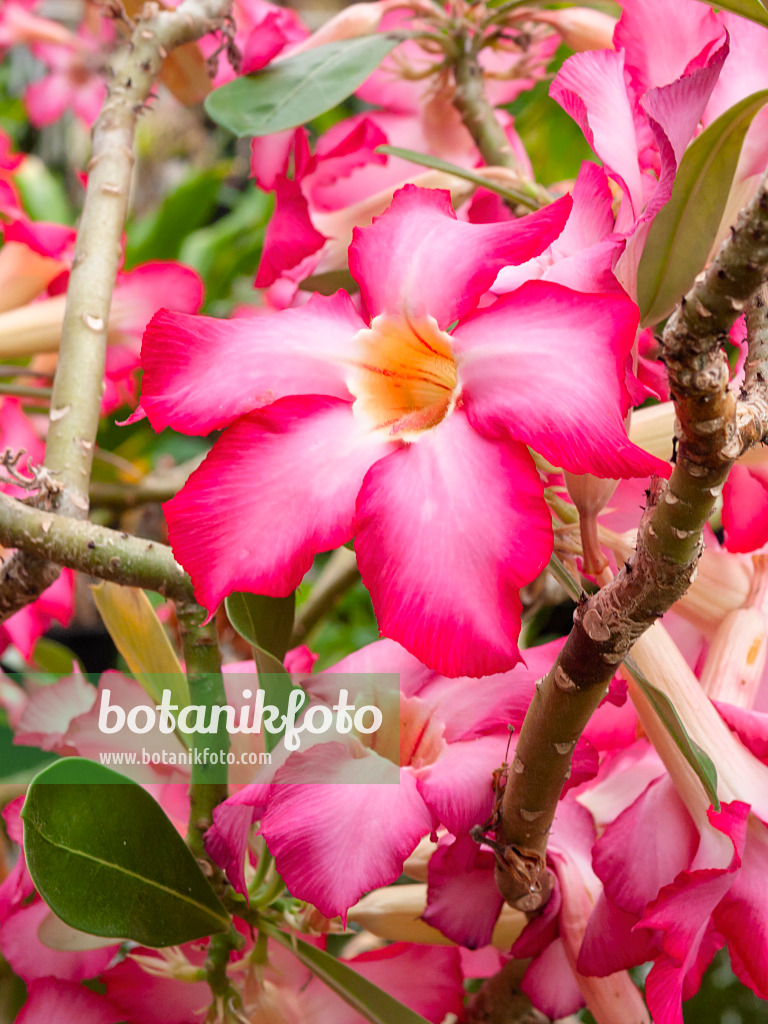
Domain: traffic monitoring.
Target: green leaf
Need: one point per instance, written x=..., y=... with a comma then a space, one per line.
x=697, y=758
x=190, y=205
x=436, y=164
x=54, y=657
x=291, y=92
x=362, y=995
x=267, y=624
x=683, y=231
x=755, y=10
x=107, y=860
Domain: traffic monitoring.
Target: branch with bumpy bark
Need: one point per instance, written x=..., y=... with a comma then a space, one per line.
x=76, y=398
x=711, y=436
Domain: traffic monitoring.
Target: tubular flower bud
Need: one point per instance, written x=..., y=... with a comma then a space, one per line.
x=580, y=28
x=395, y=913
x=736, y=659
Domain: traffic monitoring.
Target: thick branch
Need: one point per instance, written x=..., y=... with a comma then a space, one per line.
x=95, y=550
x=659, y=572
x=77, y=387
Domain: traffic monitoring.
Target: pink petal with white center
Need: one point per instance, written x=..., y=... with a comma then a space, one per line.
x=332, y=842
x=341, y=150
x=50, y=711
x=141, y=292
x=428, y=979
x=591, y=218
x=67, y=1003
x=661, y=40
x=200, y=373
x=613, y=941
x=457, y=787
x=591, y=88
x=550, y=983
x=463, y=901
x=269, y=157
x=682, y=913
x=674, y=112
x=156, y=1000
x=444, y=573
x=745, y=510
x=31, y=960
x=307, y=455
x=47, y=99
x=264, y=43
x=572, y=413
x=658, y=823
x=290, y=234
x=750, y=726
x=227, y=839
x=417, y=259
x=742, y=915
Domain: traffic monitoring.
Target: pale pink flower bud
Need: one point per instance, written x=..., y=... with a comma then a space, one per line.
x=580, y=28
x=590, y=495
x=395, y=913
x=356, y=20
x=734, y=666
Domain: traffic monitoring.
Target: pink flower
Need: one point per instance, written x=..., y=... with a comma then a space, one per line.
x=395, y=431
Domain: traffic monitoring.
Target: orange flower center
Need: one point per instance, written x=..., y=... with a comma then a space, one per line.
x=404, y=379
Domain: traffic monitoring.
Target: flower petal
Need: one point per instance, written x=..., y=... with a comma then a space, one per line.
x=463, y=900
x=457, y=787
x=200, y=373
x=418, y=259
x=447, y=531
x=314, y=830
x=277, y=487
x=562, y=394
x=290, y=236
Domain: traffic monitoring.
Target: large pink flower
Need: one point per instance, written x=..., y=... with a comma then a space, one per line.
x=400, y=429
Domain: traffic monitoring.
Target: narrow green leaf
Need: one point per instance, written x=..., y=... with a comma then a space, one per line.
x=140, y=637
x=291, y=92
x=683, y=231
x=436, y=164
x=755, y=10
x=267, y=624
x=107, y=860
x=697, y=758
x=362, y=995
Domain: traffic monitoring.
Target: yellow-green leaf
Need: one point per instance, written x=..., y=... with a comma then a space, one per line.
x=140, y=637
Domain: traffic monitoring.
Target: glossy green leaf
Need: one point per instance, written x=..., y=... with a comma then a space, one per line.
x=362, y=995
x=697, y=758
x=291, y=92
x=107, y=860
x=755, y=10
x=683, y=231
x=436, y=164
x=267, y=624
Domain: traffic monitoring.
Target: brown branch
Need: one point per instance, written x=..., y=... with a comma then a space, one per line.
x=658, y=573
x=76, y=398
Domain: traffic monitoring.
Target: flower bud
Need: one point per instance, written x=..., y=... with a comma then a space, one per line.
x=356, y=20
x=590, y=495
x=395, y=913
x=580, y=28
x=734, y=666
